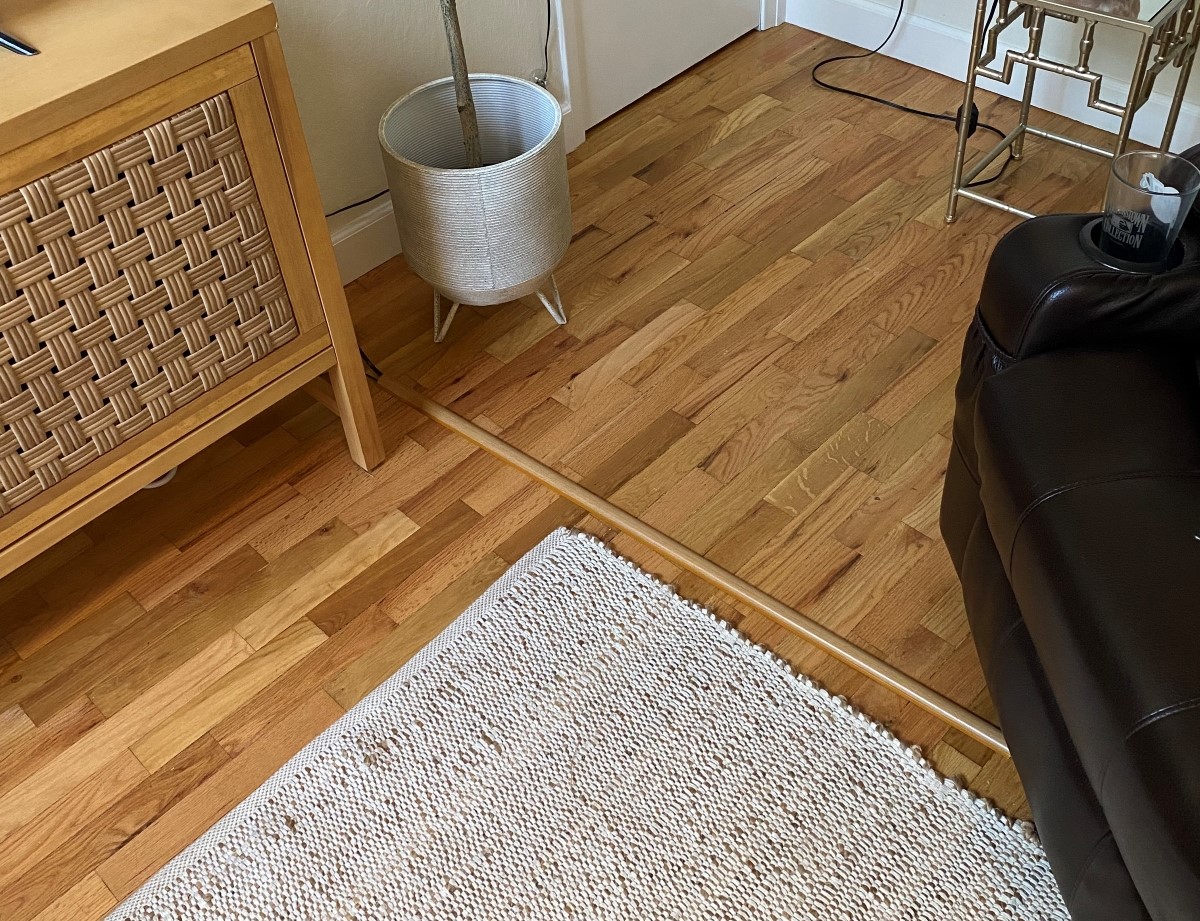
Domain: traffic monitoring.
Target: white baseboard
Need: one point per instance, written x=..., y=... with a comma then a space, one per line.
x=364, y=238
x=944, y=49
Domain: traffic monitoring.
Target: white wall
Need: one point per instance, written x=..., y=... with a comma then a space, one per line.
x=935, y=34
x=350, y=59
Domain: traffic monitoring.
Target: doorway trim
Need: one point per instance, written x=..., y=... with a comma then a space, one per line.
x=774, y=13
x=568, y=43
x=569, y=46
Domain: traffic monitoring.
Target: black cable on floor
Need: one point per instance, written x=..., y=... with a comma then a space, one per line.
x=939, y=116
x=373, y=371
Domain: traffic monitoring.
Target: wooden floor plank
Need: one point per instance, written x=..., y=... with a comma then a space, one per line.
x=34, y=747
x=191, y=816
x=51, y=783
x=263, y=624
x=92, y=843
x=38, y=840
x=89, y=898
x=766, y=310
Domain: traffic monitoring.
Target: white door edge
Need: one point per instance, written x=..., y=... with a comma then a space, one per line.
x=774, y=13
x=569, y=47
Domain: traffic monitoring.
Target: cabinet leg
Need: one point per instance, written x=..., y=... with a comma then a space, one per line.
x=336, y=391
x=355, y=407
x=347, y=376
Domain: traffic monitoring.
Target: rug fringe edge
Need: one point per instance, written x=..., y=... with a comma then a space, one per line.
x=980, y=803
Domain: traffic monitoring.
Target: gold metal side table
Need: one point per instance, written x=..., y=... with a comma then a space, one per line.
x=1168, y=32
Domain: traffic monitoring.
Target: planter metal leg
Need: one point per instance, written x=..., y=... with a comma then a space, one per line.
x=439, y=328
x=548, y=294
x=553, y=302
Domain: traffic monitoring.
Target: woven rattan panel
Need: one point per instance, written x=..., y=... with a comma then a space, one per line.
x=131, y=282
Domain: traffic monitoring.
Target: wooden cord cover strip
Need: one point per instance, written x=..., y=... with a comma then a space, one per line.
x=823, y=638
x=131, y=282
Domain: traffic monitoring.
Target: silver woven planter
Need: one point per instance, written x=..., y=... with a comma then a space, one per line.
x=488, y=235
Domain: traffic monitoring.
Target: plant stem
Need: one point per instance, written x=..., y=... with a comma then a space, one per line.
x=462, y=85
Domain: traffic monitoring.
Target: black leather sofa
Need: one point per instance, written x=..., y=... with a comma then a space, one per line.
x=1072, y=512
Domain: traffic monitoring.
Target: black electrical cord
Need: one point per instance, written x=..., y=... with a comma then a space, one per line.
x=546, y=48
x=940, y=116
x=373, y=371
x=357, y=203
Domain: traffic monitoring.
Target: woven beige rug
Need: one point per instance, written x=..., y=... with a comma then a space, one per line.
x=584, y=744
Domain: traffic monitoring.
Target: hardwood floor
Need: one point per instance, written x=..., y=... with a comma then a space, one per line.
x=766, y=310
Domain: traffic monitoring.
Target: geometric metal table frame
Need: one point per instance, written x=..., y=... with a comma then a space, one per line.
x=1168, y=38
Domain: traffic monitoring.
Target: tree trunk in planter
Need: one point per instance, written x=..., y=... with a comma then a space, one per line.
x=489, y=233
x=462, y=85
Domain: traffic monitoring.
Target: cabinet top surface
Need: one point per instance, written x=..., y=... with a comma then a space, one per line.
x=97, y=52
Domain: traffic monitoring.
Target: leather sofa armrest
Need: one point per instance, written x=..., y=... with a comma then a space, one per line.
x=1090, y=469
x=1043, y=292
x=1055, y=422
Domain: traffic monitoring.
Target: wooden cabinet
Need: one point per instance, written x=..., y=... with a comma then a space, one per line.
x=165, y=268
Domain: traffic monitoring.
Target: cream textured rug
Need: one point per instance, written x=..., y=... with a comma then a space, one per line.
x=584, y=744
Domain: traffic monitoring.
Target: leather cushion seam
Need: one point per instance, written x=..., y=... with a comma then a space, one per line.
x=1092, y=481
x=988, y=338
x=1003, y=638
x=1009, y=633
x=1144, y=723
x=962, y=457
x=1087, y=865
x=1061, y=280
